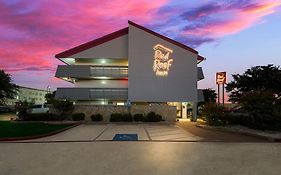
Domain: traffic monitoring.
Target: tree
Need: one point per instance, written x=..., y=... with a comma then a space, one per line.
x=50, y=97
x=258, y=78
x=7, y=88
x=258, y=93
x=210, y=95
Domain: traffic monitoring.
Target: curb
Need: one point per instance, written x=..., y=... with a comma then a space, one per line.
x=38, y=136
x=272, y=139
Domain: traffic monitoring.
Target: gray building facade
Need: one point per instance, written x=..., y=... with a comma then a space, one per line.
x=133, y=64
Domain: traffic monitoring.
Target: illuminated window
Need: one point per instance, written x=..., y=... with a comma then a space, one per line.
x=162, y=60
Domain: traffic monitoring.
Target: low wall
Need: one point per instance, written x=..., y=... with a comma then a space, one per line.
x=168, y=113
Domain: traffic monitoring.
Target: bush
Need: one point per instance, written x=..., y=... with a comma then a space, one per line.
x=138, y=117
x=264, y=110
x=21, y=108
x=64, y=107
x=96, y=117
x=152, y=117
x=78, y=116
x=127, y=117
x=118, y=117
x=214, y=114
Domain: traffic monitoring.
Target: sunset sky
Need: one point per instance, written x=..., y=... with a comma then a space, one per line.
x=232, y=34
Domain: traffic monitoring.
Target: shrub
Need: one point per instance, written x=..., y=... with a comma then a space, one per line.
x=138, y=117
x=152, y=117
x=116, y=117
x=78, y=116
x=214, y=114
x=40, y=117
x=127, y=117
x=264, y=109
x=96, y=117
x=21, y=109
x=64, y=107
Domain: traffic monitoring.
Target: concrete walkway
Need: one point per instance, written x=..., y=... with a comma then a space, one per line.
x=106, y=132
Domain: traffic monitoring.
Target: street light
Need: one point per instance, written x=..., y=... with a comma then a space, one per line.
x=48, y=89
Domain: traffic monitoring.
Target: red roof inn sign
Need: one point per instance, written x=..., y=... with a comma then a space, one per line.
x=162, y=60
x=221, y=78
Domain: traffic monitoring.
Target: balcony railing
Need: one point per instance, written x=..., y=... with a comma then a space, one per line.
x=92, y=93
x=109, y=72
x=85, y=71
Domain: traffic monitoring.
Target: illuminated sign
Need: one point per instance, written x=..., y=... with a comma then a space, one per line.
x=162, y=60
x=221, y=78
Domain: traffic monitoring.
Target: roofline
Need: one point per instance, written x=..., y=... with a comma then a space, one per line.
x=200, y=59
x=93, y=43
x=163, y=37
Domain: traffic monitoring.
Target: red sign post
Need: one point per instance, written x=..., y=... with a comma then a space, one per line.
x=221, y=80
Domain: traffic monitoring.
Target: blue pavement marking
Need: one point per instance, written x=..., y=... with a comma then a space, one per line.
x=125, y=137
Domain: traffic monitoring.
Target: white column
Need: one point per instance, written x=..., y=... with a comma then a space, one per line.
x=184, y=110
x=194, y=112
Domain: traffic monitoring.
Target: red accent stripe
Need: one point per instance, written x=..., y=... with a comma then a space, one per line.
x=200, y=58
x=92, y=43
x=164, y=37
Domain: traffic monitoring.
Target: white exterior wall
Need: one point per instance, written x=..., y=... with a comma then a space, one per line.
x=116, y=48
x=181, y=83
x=101, y=84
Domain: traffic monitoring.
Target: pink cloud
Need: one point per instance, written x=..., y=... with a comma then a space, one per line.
x=230, y=19
x=33, y=32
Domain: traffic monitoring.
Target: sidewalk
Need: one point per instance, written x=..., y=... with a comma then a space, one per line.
x=215, y=135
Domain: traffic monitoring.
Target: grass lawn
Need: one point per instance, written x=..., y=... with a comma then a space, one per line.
x=15, y=129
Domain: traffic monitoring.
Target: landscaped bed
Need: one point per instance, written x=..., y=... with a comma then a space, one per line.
x=28, y=130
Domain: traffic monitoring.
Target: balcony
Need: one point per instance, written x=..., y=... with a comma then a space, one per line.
x=92, y=93
x=200, y=75
x=89, y=72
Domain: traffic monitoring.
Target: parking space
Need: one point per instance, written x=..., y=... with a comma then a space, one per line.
x=106, y=132
x=169, y=133
x=113, y=129
x=78, y=133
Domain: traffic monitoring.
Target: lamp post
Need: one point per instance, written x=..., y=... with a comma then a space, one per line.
x=48, y=89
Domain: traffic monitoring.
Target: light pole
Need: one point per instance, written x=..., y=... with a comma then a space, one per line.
x=48, y=89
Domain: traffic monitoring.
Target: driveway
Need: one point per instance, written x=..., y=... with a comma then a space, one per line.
x=212, y=135
x=138, y=158
x=7, y=116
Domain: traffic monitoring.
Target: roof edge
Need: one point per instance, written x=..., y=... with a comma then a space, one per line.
x=200, y=58
x=92, y=43
x=163, y=37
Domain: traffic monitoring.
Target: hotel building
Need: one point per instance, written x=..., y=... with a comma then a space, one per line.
x=132, y=66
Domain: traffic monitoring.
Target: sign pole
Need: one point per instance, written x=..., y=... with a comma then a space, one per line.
x=223, y=95
x=219, y=94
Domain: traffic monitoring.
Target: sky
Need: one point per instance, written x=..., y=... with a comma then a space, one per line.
x=232, y=34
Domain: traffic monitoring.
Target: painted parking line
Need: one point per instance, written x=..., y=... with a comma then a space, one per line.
x=169, y=132
x=82, y=132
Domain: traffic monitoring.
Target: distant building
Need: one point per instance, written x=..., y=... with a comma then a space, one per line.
x=32, y=95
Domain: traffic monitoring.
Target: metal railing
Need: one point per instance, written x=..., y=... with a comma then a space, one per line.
x=92, y=93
